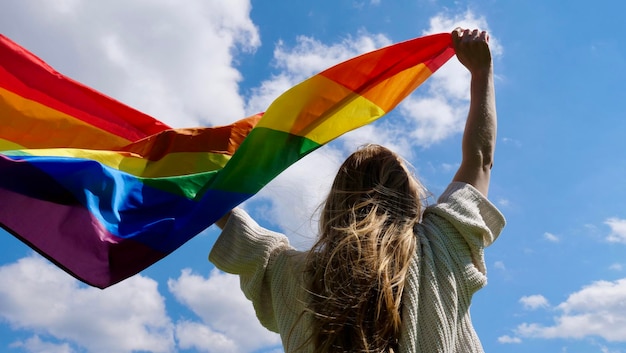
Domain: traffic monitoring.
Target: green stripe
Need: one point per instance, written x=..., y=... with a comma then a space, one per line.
x=263, y=155
x=183, y=185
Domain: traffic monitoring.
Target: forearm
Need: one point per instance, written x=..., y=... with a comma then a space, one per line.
x=479, y=137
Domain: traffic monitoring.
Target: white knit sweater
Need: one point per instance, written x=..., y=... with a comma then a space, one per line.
x=447, y=269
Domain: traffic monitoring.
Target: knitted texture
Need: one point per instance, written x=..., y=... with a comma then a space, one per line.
x=446, y=270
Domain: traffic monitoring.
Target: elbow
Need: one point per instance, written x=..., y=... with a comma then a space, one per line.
x=485, y=152
x=487, y=160
x=481, y=158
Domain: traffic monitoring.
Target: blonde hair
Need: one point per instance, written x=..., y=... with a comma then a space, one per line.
x=361, y=258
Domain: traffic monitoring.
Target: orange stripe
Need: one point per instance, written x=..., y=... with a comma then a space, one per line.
x=391, y=91
x=25, y=122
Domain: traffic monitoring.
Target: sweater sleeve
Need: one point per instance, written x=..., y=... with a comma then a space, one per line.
x=475, y=218
x=246, y=249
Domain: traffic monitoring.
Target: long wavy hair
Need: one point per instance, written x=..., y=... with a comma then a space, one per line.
x=361, y=258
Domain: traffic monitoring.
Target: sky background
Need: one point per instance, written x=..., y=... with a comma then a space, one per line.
x=557, y=274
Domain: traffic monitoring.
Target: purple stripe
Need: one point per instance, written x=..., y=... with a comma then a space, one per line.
x=74, y=240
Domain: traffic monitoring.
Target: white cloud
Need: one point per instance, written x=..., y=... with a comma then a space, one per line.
x=616, y=267
x=533, y=302
x=35, y=295
x=225, y=312
x=193, y=335
x=129, y=316
x=499, y=265
x=618, y=230
x=510, y=141
x=447, y=167
x=310, y=56
x=36, y=345
x=434, y=117
x=605, y=349
x=596, y=310
x=509, y=339
x=170, y=61
x=551, y=237
x=504, y=202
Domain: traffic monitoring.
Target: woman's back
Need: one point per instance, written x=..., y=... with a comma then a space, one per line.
x=446, y=269
x=363, y=253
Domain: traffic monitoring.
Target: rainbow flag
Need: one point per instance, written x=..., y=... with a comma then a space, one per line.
x=104, y=191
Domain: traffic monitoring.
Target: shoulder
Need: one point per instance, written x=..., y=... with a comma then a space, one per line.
x=461, y=225
x=468, y=210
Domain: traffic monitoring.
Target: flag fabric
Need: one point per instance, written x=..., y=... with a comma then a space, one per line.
x=104, y=191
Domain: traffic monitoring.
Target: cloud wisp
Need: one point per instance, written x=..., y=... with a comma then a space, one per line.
x=37, y=296
x=618, y=230
x=228, y=322
x=597, y=310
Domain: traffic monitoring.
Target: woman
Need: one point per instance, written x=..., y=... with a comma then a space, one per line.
x=384, y=275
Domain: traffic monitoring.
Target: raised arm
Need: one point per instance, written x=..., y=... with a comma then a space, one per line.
x=479, y=138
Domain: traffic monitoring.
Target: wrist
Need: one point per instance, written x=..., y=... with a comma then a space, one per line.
x=485, y=71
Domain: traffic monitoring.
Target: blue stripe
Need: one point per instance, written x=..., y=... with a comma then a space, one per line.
x=123, y=204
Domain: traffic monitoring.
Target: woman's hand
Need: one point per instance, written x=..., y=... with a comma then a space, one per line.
x=472, y=49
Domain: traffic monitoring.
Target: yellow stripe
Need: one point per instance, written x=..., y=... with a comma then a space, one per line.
x=25, y=121
x=6, y=145
x=358, y=112
x=319, y=109
x=172, y=164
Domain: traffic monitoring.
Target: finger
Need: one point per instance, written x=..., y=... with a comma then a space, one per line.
x=456, y=36
x=476, y=35
x=456, y=33
x=484, y=36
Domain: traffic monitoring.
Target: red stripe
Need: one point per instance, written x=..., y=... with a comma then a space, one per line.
x=28, y=76
x=435, y=63
x=379, y=65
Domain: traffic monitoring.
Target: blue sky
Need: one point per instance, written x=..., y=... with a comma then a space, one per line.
x=557, y=274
